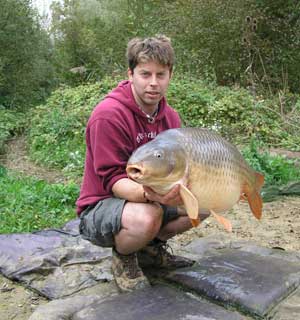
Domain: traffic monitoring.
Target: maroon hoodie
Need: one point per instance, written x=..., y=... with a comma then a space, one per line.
x=115, y=129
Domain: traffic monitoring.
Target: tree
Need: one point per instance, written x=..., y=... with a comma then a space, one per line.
x=25, y=51
x=245, y=42
x=275, y=47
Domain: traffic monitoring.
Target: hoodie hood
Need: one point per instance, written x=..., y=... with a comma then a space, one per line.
x=123, y=94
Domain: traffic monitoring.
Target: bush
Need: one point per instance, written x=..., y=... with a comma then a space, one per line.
x=235, y=113
x=223, y=109
x=277, y=169
x=57, y=133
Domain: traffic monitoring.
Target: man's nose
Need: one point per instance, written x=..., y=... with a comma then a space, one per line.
x=153, y=81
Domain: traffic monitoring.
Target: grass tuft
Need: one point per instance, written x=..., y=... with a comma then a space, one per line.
x=28, y=204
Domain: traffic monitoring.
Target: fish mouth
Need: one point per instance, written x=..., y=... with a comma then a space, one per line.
x=135, y=172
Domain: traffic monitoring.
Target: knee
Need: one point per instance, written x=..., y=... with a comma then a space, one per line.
x=150, y=221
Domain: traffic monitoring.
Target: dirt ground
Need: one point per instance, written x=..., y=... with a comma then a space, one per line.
x=278, y=228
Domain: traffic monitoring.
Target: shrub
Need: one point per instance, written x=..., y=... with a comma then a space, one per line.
x=277, y=170
x=235, y=113
x=57, y=130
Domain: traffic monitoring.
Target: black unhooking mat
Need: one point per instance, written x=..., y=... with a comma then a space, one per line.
x=252, y=282
x=58, y=263
x=55, y=262
x=156, y=303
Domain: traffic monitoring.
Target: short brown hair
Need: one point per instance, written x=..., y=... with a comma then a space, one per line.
x=158, y=49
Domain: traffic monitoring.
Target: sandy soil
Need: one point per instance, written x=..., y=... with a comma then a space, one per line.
x=279, y=227
x=16, y=302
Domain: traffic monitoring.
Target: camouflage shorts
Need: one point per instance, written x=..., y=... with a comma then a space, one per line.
x=99, y=223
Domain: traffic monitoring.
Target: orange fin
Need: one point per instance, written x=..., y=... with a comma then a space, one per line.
x=195, y=222
x=190, y=202
x=260, y=180
x=223, y=221
x=255, y=203
x=254, y=197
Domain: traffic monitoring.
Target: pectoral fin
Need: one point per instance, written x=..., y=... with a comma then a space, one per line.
x=195, y=222
x=190, y=203
x=223, y=221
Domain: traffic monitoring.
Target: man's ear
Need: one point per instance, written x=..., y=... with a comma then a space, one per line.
x=129, y=74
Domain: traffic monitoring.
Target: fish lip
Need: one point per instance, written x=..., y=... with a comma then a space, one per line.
x=135, y=172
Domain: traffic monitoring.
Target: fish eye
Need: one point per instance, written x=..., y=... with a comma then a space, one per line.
x=158, y=154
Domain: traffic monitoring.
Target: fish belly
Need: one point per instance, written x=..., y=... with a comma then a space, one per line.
x=218, y=192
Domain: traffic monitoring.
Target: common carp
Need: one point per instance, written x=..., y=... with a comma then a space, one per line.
x=212, y=174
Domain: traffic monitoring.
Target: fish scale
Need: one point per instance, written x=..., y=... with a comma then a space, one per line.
x=211, y=172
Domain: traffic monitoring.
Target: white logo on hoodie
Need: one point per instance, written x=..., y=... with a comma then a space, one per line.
x=142, y=135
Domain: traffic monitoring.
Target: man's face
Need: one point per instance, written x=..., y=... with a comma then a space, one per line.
x=149, y=83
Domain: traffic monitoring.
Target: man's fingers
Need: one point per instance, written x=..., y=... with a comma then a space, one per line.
x=173, y=192
x=148, y=190
x=171, y=198
x=150, y=194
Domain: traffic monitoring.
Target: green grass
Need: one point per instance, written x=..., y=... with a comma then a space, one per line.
x=28, y=204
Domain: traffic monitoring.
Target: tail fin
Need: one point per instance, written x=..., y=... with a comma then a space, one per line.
x=253, y=196
x=259, y=181
x=255, y=203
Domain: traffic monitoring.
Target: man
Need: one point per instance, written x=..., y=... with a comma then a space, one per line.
x=116, y=211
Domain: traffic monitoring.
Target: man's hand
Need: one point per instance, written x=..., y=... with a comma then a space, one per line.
x=172, y=198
